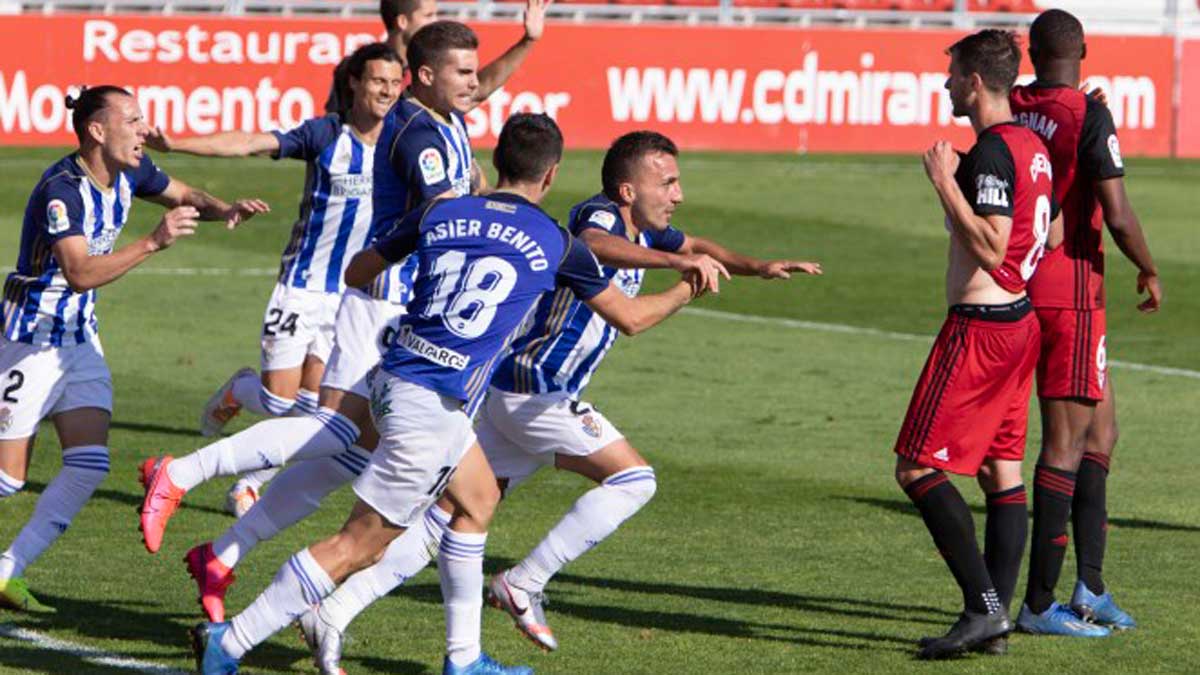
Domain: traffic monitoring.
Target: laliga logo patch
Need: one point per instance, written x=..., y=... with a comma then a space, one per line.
x=1114, y=149
x=590, y=426
x=432, y=169
x=6, y=419
x=1040, y=164
x=57, y=221
x=604, y=219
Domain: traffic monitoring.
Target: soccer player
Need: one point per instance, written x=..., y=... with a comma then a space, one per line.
x=51, y=361
x=483, y=264
x=1075, y=392
x=334, y=223
x=533, y=415
x=970, y=405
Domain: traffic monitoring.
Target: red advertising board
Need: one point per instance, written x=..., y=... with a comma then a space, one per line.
x=758, y=89
x=1188, y=134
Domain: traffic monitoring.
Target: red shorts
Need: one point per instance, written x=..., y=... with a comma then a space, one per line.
x=1073, y=362
x=972, y=401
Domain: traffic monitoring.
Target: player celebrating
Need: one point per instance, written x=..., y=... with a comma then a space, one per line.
x=533, y=416
x=483, y=264
x=1078, y=419
x=51, y=360
x=971, y=403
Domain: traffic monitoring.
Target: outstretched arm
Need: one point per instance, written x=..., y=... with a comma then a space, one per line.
x=84, y=272
x=634, y=315
x=619, y=252
x=1127, y=233
x=207, y=206
x=744, y=265
x=223, y=144
x=495, y=74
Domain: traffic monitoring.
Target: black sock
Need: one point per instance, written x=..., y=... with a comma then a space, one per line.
x=1052, y=491
x=1089, y=517
x=1004, y=539
x=953, y=529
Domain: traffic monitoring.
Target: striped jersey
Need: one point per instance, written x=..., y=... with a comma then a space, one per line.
x=39, y=306
x=420, y=155
x=335, y=211
x=484, y=262
x=567, y=340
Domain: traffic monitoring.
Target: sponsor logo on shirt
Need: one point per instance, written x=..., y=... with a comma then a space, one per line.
x=604, y=219
x=1114, y=149
x=57, y=221
x=103, y=242
x=1040, y=164
x=431, y=352
x=433, y=170
x=351, y=186
x=990, y=191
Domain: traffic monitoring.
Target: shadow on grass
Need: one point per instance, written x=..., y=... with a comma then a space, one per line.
x=132, y=500
x=905, y=507
x=153, y=429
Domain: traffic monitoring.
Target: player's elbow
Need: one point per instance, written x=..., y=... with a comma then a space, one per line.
x=78, y=282
x=359, y=272
x=631, y=325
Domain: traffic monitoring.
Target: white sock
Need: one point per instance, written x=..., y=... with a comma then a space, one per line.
x=255, y=479
x=307, y=402
x=405, y=556
x=249, y=391
x=460, y=566
x=9, y=486
x=299, y=584
x=594, y=516
x=269, y=443
x=296, y=493
x=84, y=468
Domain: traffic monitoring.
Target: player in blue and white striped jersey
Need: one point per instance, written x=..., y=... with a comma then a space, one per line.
x=51, y=361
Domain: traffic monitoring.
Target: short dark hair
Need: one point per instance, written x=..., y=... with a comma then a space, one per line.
x=993, y=54
x=88, y=103
x=390, y=10
x=1056, y=34
x=530, y=143
x=624, y=154
x=356, y=65
x=432, y=42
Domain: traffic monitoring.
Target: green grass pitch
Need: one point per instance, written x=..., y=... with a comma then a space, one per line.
x=777, y=542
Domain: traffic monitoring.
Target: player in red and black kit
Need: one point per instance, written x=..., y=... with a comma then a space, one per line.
x=968, y=412
x=1078, y=420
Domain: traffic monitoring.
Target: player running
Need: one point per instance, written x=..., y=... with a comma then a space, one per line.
x=483, y=264
x=970, y=406
x=51, y=361
x=1078, y=410
x=533, y=415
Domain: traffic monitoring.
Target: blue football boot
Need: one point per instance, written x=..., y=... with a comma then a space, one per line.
x=1057, y=620
x=484, y=665
x=1101, y=609
x=206, y=645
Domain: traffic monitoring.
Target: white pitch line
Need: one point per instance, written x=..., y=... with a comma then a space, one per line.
x=89, y=654
x=910, y=337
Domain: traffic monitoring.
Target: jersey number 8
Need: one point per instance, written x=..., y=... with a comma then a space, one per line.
x=466, y=300
x=1041, y=231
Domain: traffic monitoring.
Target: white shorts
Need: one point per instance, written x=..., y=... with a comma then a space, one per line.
x=363, y=328
x=422, y=438
x=37, y=382
x=521, y=433
x=297, y=323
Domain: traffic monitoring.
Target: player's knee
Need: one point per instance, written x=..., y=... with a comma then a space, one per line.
x=478, y=507
x=640, y=483
x=9, y=485
x=1103, y=440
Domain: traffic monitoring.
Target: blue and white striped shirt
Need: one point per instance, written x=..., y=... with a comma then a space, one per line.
x=567, y=340
x=335, y=211
x=39, y=306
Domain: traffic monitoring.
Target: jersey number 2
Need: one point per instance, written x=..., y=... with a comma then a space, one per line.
x=1041, y=231
x=16, y=379
x=466, y=299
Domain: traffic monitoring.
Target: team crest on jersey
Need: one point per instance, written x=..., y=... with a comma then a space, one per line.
x=604, y=219
x=57, y=221
x=1040, y=164
x=990, y=190
x=1114, y=149
x=6, y=419
x=591, y=427
x=433, y=170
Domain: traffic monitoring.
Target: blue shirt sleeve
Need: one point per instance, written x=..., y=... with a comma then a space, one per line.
x=148, y=180
x=61, y=214
x=669, y=240
x=307, y=140
x=418, y=158
x=579, y=270
x=402, y=239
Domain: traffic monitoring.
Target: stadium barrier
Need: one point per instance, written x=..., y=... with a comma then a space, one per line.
x=725, y=88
